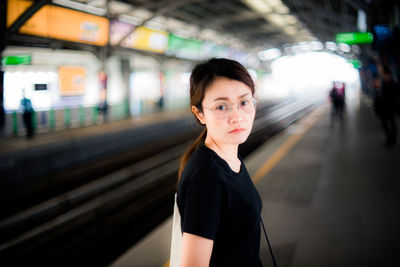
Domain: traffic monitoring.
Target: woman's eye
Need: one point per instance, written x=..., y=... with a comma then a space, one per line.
x=244, y=102
x=220, y=107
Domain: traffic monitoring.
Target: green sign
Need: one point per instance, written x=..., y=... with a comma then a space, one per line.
x=182, y=47
x=356, y=63
x=351, y=38
x=17, y=60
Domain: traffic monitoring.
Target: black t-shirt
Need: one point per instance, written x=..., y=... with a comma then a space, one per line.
x=219, y=204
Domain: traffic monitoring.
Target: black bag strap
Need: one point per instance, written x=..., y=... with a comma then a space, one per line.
x=269, y=245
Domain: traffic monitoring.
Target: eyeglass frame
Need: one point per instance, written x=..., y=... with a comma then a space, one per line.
x=230, y=107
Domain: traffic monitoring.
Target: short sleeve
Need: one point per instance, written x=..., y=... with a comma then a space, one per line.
x=202, y=205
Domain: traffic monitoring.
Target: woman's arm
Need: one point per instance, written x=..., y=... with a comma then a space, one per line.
x=196, y=251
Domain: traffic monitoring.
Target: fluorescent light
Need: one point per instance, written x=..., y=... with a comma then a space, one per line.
x=281, y=8
x=81, y=7
x=259, y=5
x=315, y=45
x=119, y=7
x=331, y=46
x=291, y=30
x=290, y=19
x=274, y=3
x=130, y=19
x=344, y=47
x=277, y=19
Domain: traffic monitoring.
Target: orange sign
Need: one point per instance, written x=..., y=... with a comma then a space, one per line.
x=72, y=80
x=60, y=23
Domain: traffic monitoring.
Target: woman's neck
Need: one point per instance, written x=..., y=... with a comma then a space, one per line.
x=228, y=152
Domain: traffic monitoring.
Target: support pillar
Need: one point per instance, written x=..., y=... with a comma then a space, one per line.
x=126, y=72
x=3, y=44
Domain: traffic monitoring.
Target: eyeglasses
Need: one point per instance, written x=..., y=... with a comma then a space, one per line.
x=223, y=110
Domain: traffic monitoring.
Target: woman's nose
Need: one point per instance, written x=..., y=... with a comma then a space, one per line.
x=236, y=115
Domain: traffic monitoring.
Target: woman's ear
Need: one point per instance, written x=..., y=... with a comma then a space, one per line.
x=199, y=115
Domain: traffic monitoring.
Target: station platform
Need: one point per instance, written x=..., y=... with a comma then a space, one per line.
x=23, y=159
x=14, y=144
x=330, y=192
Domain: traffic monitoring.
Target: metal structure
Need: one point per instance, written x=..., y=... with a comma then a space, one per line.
x=245, y=24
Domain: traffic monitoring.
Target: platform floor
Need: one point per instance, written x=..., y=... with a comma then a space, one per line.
x=331, y=195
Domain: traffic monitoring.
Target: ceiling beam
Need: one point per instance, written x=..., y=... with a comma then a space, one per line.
x=161, y=4
x=323, y=11
x=170, y=5
x=322, y=20
x=358, y=4
x=29, y=12
x=246, y=15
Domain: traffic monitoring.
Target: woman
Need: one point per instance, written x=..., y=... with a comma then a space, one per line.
x=219, y=205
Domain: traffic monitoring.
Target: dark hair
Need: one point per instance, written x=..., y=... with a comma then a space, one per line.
x=202, y=77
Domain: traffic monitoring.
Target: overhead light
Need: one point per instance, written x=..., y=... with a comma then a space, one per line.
x=81, y=7
x=277, y=13
x=331, y=46
x=290, y=19
x=279, y=7
x=274, y=3
x=315, y=45
x=277, y=19
x=305, y=47
x=269, y=54
x=344, y=47
x=259, y=5
x=291, y=30
x=118, y=7
x=282, y=9
x=141, y=13
x=130, y=19
x=155, y=25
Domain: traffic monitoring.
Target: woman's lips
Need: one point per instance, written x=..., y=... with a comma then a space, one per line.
x=238, y=130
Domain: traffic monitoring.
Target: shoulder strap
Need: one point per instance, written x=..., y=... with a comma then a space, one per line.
x=176, y=240
x=269, y=245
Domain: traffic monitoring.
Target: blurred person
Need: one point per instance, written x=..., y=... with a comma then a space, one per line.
x=2, y=117
x=377, y=103
x=336, y=95
x=219, y=205
x=160, y=103
x=385, y=100
x=103, y=105
x=342, y=93
x=27, y=111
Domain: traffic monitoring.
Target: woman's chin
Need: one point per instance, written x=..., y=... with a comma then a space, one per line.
x=237, y=139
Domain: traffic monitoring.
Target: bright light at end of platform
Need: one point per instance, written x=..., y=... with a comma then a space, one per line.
x=313, y=71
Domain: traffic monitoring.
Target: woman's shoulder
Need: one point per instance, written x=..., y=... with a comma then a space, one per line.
x=201, y=169
x=203, y=158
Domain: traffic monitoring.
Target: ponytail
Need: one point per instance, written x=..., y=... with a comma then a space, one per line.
x=186, y=156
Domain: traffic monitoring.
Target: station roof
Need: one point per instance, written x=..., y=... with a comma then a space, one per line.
x=240, y=23
x=253, y=26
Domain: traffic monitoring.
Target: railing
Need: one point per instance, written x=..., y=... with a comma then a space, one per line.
x=64, y=118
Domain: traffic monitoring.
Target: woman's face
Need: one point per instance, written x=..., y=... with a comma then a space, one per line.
x=228, y=111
